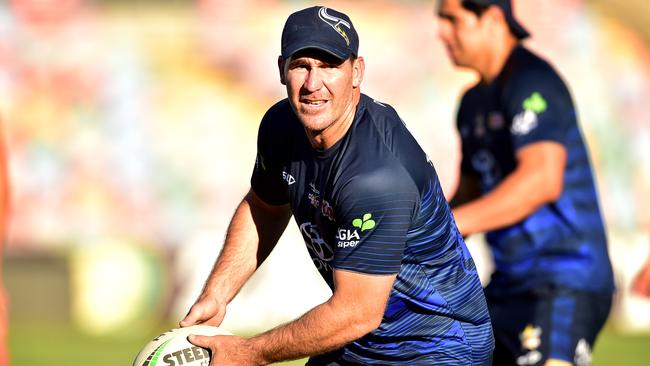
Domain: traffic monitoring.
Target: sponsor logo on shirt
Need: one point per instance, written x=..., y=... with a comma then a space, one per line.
x=530, y=339
x=259, y=162
x=321, y=253
x=288, y=178
x=526, y=121
x=365, y=223
x=583, y=353
x=485, y=163
x=381, y=104
x=349, y=238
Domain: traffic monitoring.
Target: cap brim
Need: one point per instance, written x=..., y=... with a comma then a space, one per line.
x=340, y=54
x=517, y=29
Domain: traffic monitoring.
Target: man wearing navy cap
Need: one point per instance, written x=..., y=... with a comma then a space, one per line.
x=526, y=182
x=369, y=206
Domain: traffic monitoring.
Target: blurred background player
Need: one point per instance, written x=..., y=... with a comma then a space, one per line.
x=526, y=181
x=641, y=283
x=4, y=224
x=373, y=217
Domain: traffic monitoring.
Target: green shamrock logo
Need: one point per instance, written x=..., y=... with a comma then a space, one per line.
x=364, y=224
x=535, y=103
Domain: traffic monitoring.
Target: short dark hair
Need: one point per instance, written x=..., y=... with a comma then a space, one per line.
x=476, y=7
x=479, y=7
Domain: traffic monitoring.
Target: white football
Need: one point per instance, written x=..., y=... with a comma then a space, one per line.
x=173, y=349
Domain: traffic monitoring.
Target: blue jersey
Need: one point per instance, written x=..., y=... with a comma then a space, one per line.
x=372, y=204
x=563, y=242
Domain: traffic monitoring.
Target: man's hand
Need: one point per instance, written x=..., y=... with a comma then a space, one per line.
x=206, y=310
x=228, y=350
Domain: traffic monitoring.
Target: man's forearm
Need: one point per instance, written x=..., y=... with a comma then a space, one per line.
x=322, y=329
x=252, y=234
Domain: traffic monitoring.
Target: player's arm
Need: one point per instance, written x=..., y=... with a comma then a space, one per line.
x=355, y=309
x=468, y=190
x=253, y=232
x=537, y=179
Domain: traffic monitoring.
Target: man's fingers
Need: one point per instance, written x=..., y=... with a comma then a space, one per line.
x=193, y=317
x=199, y=340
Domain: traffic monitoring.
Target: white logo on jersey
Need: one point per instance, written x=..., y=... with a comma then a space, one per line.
x=524, y=122
x=530, y=339
x=381, y=104
x=583, y=354
x=347, y=238
x=321, y=253
x=288, y=178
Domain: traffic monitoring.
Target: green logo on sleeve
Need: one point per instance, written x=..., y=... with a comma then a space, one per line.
x=364, y=224
x=535, y=103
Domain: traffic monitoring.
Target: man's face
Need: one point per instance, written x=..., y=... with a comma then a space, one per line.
x=320, y=87
x=464, y=34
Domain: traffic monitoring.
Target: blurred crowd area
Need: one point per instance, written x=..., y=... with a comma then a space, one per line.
x=132, y=124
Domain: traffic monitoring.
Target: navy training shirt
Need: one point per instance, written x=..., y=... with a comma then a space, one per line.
x=372, y=204
x=563, y=242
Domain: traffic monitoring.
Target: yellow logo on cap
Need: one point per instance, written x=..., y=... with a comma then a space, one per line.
x=335, y=22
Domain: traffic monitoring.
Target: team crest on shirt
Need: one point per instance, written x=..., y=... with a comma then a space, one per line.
x=479, y=126
x=530, y=339
x=527, y=120
x=327, y=210
x=325, y=207
x=496, y=120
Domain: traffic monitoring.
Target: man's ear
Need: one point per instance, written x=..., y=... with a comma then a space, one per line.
x=358, y=69
x=495, y=14
x=283, y=79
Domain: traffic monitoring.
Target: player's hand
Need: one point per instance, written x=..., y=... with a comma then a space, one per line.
x=228, y=350
x=206, y=310
x=641, y=284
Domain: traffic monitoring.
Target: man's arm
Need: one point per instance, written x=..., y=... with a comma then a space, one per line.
x=253, y=232
x=537, y=179
x=468, y=190
x=355, y=309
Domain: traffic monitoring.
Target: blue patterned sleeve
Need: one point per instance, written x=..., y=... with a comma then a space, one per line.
x=374, y=213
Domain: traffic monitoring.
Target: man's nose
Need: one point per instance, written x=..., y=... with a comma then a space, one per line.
x=314, y=80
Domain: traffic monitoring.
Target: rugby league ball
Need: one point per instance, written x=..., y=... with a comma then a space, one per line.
x=173, y=349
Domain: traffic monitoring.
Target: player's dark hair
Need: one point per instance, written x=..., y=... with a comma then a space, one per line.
x=475, y=6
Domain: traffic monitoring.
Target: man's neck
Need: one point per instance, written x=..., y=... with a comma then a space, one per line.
x=497, y=59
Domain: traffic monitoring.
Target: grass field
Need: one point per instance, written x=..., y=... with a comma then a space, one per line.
x=61, y=345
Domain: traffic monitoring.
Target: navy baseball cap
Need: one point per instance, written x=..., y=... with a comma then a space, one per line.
x=321, y=28
x=506, y=5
